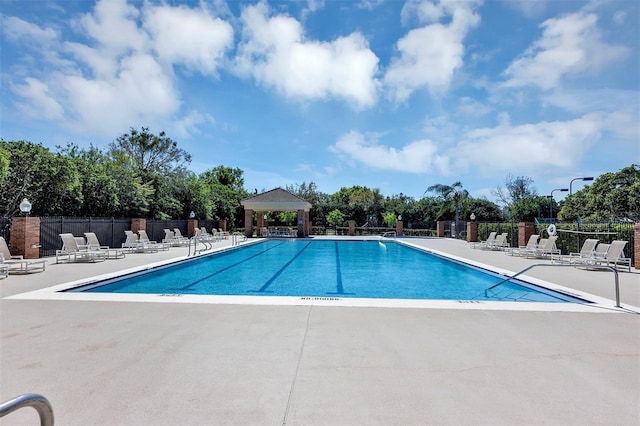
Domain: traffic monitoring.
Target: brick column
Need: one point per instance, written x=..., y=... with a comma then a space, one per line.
x=300, y=223
x=440, y=229
x=399, y=228
x=352, y=228
x=636, y=246
x=472, y=232
x=222, y=224
x=25, y=237
x=138, y=224
x=525, y=230
x=307, y=224
x=248, y=223
x=192, y=225
x=260, y=222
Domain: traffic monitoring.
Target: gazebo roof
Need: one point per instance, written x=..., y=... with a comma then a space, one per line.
x=277, y=200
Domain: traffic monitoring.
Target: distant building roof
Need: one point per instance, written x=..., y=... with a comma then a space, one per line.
x=276, y=200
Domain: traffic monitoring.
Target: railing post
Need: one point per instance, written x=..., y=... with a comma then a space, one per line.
x=24, y=236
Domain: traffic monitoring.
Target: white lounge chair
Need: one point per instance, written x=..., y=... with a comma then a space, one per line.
x=94, y=244
x=482, y=244
x=546, y=249
x=73, y=252
x=145, y=239
x=133, y=244
x=4, y=268
x=613, y=257
x=18, y=263
x=500, y=243
x=586, y=252
x=532, y=244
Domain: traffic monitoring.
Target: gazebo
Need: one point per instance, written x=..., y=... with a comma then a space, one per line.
x=276, y=200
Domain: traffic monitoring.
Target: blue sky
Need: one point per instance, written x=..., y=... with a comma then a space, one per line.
x=388, y=94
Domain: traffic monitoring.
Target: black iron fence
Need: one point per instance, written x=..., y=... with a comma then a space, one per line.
x=571, y=235
x=5, y=226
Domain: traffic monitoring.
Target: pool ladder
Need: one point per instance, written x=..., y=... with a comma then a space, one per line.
x=195, y=241
x=610, y=268
x=386, y=234
x=37, y=402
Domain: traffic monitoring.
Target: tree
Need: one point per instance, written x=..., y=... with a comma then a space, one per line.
x=50, y=181
x=156, y=161
x=335, y=217
x=389, y=218
x=516, y=189
x=226, y=186
x=611, y=196
x=451, y=196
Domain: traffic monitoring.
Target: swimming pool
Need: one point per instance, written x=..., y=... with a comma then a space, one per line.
x=328, y=269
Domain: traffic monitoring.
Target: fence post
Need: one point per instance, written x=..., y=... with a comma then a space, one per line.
x=352, y=228
x=222, y=224
x=472, y=232
x=399, y=228
x=192, y=225
x=440, y=229
x=24, y=238
x=138, y=224
x=636, y=245
x=525, y=230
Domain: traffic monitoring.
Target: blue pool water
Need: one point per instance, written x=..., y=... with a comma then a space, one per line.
x=363, y=269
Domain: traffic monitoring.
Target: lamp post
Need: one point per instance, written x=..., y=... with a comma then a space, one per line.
x=472, y=217
x=192, y=215
x=551, y=201
x=25, y=207
x=580, y=178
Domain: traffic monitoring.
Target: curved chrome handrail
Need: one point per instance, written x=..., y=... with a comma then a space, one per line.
x=612, y=269
x=37, y=402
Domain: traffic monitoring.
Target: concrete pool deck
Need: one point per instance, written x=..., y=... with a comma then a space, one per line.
x=123, y=363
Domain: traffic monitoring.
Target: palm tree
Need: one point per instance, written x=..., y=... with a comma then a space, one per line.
x=452, y=194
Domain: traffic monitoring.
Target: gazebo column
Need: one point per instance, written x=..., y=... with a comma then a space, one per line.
x=300, y=223
x=248, y=223
x=307, y=224
x=260, y=221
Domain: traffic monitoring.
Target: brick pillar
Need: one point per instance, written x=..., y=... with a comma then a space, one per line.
x=525, y=230
x=352, y=228
x=25, y=237
x=472, y=232
x=399, y=228
x=636, y=246
x=440, y=229
x=307, y=224
x=138, y=224
x=222, y=224
x=192, y=225
x=300, y=223
x=248, y=223
x=260, y=222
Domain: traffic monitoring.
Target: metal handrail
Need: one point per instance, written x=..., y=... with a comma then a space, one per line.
x=37, y=402
x=611, y=268
x=389, y=232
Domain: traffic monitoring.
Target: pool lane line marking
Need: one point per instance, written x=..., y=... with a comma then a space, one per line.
x=339, y=285
x=226, y=268
x=266, y=285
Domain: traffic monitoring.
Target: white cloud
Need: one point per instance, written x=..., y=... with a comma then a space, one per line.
x=38, y=101
x=528, y=148
x=187, y=36
x=119, y=72
x=17, y=29
x=569, y=45
x=430, y=55
x=275, y=52
x=188, y=125
x=415, y=157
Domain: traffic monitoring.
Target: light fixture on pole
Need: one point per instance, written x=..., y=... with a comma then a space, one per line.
x=472, y=217
x=192, y=215
x=25, y=207
x=582, y=178
x=399, y=217
x=551, y=201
